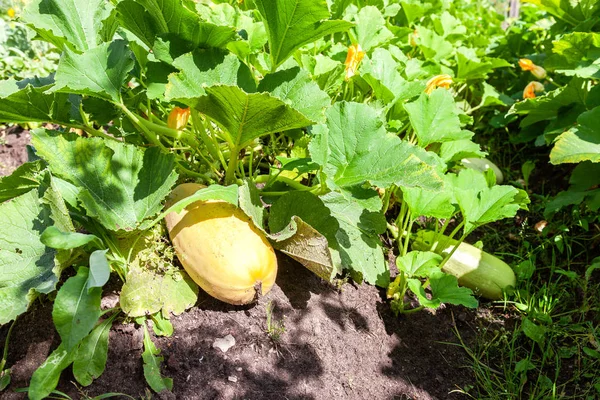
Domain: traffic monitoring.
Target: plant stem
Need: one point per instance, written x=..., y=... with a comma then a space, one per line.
x=232, y=166
x=386, y=198
x=151, y=137
x=5, y=352
x=455, y=231
x=407, y=237
x=445, y=260
x=412, y=310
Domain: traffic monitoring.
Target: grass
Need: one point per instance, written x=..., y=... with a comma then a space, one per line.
x=545, y=342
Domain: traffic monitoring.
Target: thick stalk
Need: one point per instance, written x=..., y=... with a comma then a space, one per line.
x=232, y=166
x=407, y=237
x=151, y=137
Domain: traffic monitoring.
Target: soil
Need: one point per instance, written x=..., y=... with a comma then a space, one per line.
x=336, y=344
x=342, y=344
x=13, y=151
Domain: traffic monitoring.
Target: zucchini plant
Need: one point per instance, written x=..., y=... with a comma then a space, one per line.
x=327, y=126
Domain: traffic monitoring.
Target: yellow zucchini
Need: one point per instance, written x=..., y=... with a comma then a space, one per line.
x=220, y=248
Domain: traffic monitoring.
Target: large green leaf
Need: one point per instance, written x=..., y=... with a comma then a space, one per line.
x=572, y=12
x=26, y=265
x=381, y=73
x=169, y=28
x=472, y=67
x=432, y=45
x=99, y=72
x=294, y=23
x=353, y=147
x=576, y=54
x=360, y=222
x=77, y=24
x=419, y=263
x=76, y=310
x=370, y=28
x=481, y=204
x=91, y=355
x=295, y=87
x=25, y=178
x=435, y=119
x=547, y=107
x=121, y=184
x=26, y=101
x=429, y=203
x=203, y=68
x=580, y=143
x=246, y=117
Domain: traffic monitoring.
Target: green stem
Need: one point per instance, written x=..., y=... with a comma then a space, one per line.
x=553, y=82
x=455, y=231
x=92, y=131
x=445, y=260
x=200, y=130
x=441, y=232
x=232, y=166
x=195, y=174
x=151, y=137
x=386, y=198
x=5, y=352
x=412, y=310
x=407, y=237
x=166, y=131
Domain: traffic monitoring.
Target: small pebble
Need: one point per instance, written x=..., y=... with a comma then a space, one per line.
x=232, y=379
x=224, y=343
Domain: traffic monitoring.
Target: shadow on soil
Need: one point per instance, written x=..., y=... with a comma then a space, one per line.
x=343, y=345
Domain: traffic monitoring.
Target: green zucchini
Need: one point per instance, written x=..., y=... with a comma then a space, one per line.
x=481, y=272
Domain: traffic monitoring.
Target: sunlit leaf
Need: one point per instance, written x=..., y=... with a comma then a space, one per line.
x=122, y=185
x=76, y=24
x=353, y=147
x=580, y=143
x=99, y=72
x=293, y=23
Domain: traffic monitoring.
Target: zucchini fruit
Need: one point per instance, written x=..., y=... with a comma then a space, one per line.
x=220, y=248
x=481, y=272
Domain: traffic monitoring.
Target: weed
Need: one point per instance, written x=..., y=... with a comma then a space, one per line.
x=274, y=328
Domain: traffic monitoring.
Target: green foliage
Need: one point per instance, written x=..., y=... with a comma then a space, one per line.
x=351, y=157
x=152, y=363
x=29, y=267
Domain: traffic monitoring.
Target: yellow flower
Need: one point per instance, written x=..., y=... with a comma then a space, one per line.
x=10, y=12
x=443, y=81
x=531, y=89
x=528, y=65
x=178, y=118
x=355, y=56
x=413, y=37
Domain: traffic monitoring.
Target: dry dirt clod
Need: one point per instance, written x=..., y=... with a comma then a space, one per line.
x=224, y=343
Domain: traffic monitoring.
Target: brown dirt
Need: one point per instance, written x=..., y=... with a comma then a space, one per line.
x=337, y=344
x=12, y=149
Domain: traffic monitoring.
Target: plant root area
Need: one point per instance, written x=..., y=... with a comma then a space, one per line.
x=323, y=343
x=334, y=344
